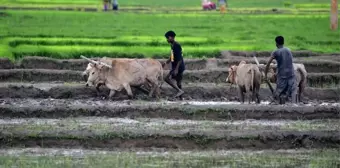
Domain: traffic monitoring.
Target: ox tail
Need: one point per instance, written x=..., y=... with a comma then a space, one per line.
x=252, y=85
x=303, y=81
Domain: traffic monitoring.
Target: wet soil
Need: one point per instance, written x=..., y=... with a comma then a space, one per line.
x=202, y=91
x=174, y=140
x=314, y=64
x=160, y=124
x=195, y=76
x=80, y=153
x=61, y=108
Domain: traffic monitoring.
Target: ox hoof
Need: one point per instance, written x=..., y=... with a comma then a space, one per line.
x=87, y=85
x=180, y=93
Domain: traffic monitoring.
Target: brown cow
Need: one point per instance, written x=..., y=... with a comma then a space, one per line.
x=248, y=78
x=300, y=78
x=153, y=68
x=120, y=74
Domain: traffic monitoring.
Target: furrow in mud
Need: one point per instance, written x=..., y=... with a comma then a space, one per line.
x=205, y=76
x=60, y=108
x=187, y=139
x=156, y=152
x=313, y=64
x=160, y=124
x=200, y=91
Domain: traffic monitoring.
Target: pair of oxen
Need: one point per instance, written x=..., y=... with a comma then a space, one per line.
x=248, y=78
x=119, y=74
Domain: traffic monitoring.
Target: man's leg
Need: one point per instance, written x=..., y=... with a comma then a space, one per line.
x=281, y=88
x=179, y=78
x=168, y=79
x=292, y=89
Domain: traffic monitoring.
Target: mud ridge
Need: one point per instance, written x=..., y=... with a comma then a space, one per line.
x=28, y=62
x=173, y=139
x=192, y=92
x=64, y=108
x=202, y=76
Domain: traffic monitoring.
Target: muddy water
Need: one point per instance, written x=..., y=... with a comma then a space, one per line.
x=102, y=123
x=152, y=152
x=96, y=102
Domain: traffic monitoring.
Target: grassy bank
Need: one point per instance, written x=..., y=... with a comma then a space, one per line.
x=313, y=159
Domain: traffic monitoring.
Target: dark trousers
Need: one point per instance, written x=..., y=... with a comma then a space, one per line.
x=114, y=7
x=286, y=88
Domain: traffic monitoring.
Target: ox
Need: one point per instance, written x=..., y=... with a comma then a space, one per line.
x=300, y=78
x=248, y=79
x=121, y=74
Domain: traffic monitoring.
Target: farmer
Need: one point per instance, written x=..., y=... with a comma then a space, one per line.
x=114, y=4
x=285, y=83
x=106, y=4
x=177, y=64
x=223, y=4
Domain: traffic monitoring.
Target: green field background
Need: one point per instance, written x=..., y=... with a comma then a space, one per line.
x=175, y=3
x=69, y=34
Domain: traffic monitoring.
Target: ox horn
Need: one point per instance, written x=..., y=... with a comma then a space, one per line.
x=107, y=65
x=92, y=61
x=96, y=62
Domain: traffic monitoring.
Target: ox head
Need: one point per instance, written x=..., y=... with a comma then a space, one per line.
x=94, y=74
x=94, y=71
x=86, y=73
x=271, y=75
x=232, y=74
x=242, y=62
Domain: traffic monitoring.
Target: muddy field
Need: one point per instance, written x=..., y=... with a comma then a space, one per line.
x=330, y=64
x=45, y=107
x=201, y=91
x=173, y=134
x=190, y=76
x=51, y=108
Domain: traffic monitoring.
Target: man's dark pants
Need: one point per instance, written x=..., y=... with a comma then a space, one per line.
x=286, y=87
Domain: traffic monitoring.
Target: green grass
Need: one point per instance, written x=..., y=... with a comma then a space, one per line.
x=96, y=124
x=172, y=3
x=314, y=159
x=69, y=34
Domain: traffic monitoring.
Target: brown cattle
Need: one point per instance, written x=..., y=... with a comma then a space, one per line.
x=248, y=79
x=121, y=74
x=300, y=78
x=152, y=68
